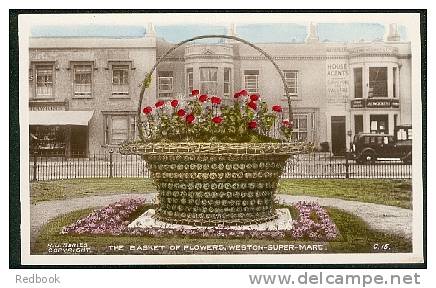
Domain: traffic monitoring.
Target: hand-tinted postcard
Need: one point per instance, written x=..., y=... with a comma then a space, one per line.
x=221, y=138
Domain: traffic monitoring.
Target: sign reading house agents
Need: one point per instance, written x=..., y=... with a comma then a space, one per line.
x=337, y=81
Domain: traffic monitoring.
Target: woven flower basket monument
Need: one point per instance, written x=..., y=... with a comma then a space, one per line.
x=215, y=164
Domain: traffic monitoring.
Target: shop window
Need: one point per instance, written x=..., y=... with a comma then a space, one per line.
x=291, y=78
x=120, y=80
x=358, y=124
x=251, y=81
x=190, y=80
x=299, y=131
x=358, y=87
x=119, y=128
x=165, y=84
x=47, y=140
x=209, y=80
x=82, y=80
x=227, y=82
x=379, y=124
x=44, y=81
x=378, y=82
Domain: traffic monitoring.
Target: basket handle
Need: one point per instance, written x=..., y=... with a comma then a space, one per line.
x=147, y=80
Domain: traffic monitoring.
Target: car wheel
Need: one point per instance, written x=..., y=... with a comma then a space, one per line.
x=368, y=157
x=407, y=159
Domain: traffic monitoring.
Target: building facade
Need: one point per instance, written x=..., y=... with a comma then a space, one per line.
x=337, y=89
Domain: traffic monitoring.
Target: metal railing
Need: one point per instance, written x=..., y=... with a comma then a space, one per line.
x=115, y=165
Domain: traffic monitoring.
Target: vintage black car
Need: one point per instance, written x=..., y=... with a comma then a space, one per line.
x=367, y=148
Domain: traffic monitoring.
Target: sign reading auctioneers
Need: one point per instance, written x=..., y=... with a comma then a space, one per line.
x=375, y=103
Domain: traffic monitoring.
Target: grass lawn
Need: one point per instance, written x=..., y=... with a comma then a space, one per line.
x=73, y=188
x=356, y=237
x=381, y=191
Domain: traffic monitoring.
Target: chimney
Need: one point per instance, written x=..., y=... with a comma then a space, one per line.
x=312, y=36
x=393, y=34
x=150, y=30
x=231, y=31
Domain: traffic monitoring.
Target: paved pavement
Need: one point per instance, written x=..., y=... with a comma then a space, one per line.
x=384, y=218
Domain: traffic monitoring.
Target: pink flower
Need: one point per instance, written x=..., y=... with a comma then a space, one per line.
x=286, y=123
x=174, y=103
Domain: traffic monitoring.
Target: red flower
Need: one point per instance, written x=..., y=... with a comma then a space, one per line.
x=243, y=92
x=254, y=97
x=202, y=98
x=174, y=103
x=252, y=124
x=181, y=112
x=147, y=110
x=237, y=95
x=287, y=123
x=217, y=119
x=252, y=105
x=277, y=108
x=195, y=92
x=159, y=103
x=190, y=118
x=215, y=100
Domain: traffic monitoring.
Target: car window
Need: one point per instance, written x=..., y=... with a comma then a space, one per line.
x=380, y=140
x=367, y=140
x=372, y=139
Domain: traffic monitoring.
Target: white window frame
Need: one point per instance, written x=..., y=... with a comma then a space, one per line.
x=292, y=82
x=227, y=82
x=165, y=93
x=189, y=80
x=131, y=132
x=50, y=84
x=296, y=130
x=254, y=80
x=206, y=82
x=120, y=89
x=82, y=94
x=385, y=81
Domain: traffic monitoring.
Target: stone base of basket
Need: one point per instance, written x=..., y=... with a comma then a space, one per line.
x=282, y=222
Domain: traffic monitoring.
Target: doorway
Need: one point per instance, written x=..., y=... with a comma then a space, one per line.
x=79, y=141
x=338, y=135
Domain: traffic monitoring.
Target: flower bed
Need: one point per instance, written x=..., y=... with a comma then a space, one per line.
x=313, y=224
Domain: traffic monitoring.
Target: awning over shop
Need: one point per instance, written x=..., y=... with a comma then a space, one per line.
x=60, y=117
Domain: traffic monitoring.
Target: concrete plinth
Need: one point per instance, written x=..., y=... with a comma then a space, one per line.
x=282, y=222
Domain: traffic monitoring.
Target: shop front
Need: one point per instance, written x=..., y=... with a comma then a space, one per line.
x=375, y=116
x=59, y=133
